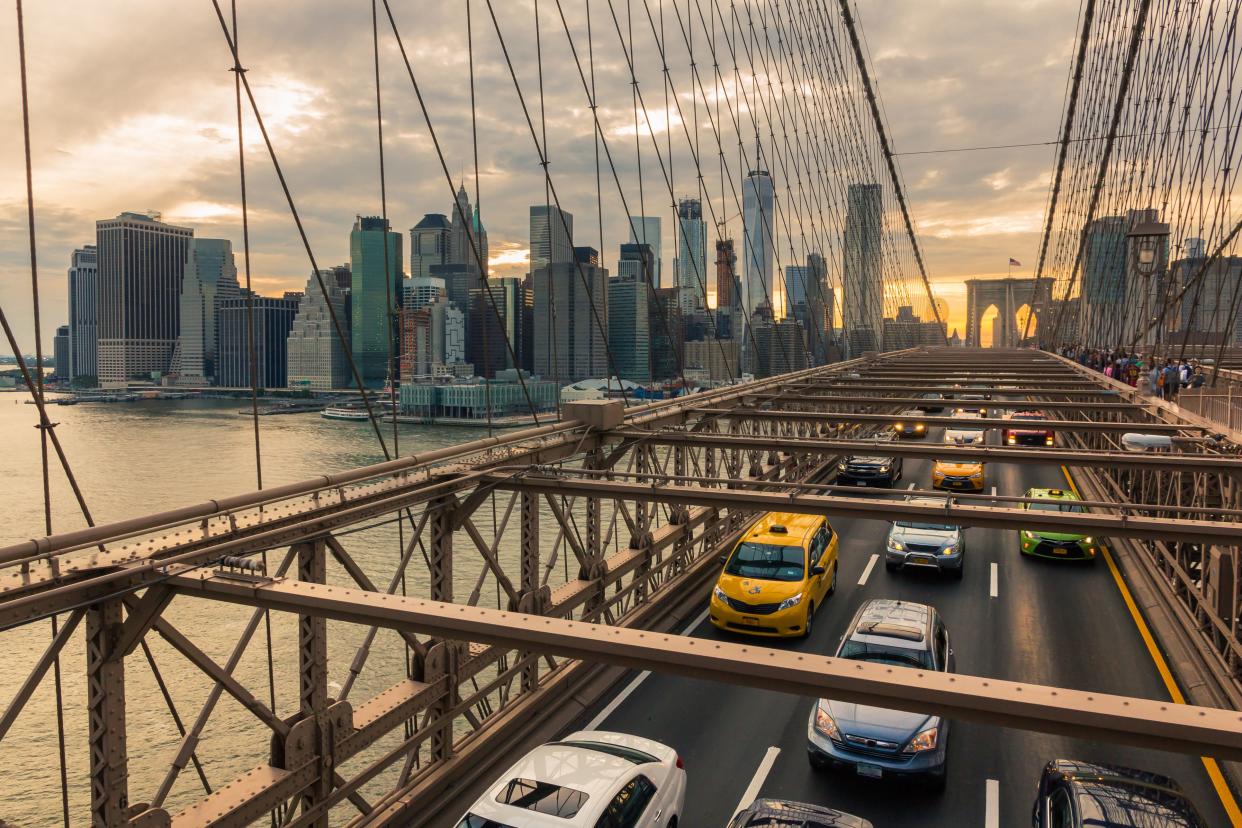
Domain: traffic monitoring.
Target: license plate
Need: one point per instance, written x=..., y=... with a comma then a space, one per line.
x=1060, y=550
x=860, y=482
x=870, y=771
x=754, y=622
x=923, y=559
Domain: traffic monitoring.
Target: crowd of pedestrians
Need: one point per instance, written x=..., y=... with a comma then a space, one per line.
x=1163, y=379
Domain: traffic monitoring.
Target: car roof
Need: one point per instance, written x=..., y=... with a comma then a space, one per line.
x=1111, y=795
x=916, y=412
x=1051, y=494
x=797, y=528
x=595, y=773
x=883, y=620
x=800, y=813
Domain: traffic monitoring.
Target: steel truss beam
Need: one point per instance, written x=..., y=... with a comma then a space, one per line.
x=982, y=422
x=1130, y=721
x=937, y=451
x=743, y=495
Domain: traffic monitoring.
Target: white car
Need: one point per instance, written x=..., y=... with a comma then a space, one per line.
x=961, y=435
x=591, y=779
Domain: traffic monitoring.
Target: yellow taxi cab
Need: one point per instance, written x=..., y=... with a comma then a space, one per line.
x=957, y=476
x=779, y=573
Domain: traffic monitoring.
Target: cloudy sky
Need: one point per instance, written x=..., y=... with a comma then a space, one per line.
x=132, y=109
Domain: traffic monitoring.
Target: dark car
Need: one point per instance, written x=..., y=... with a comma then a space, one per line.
x=1076, y=794
x=933, y=402
x=869, y=470
x=973, y=404
x=781, y=813
x=1027, y=430
x=911, y=424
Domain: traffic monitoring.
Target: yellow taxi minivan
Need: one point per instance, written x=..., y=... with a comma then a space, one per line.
x=779, y=573
x=957, y=475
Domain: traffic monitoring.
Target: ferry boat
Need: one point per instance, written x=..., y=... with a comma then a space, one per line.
x=341, y=412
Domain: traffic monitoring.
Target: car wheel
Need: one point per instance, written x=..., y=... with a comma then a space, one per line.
x=810, y=620
x=836, y=567
x=816, y=762
x=957, y=573
x=938, y=782
x=890, y=566
x=672, y=823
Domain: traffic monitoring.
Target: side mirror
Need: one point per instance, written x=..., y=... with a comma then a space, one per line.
x=723, y=559
x=818, y=570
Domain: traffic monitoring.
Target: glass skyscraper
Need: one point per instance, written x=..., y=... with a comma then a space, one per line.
x=862, y=307
x=691, y=256
x=758, y=244
x=376, y=273
x=83, y=315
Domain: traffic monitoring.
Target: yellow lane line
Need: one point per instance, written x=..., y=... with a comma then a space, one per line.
x=1175, y=693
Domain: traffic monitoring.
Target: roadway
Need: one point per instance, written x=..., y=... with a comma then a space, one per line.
x=1060, y=624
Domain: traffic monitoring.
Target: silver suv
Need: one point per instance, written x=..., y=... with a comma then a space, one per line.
x=874, y=742
x=930, y=545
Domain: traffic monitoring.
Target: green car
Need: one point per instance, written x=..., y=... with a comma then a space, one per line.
x=1056, y=545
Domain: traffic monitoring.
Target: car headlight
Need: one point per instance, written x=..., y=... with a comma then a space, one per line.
x=918, y=427
x=1012, y=440
x=824, y=724
x=925, y=740
x=1088, y=539
x=1028, y=535
x=720, y=595
x=949, y=550
x=976, y=474
x=1047, y=441
x=791, y=601
x=898, y=425
x=896, y=545
x=843, y=465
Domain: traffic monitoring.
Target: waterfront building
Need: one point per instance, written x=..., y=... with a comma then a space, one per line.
x=272, y=321
x=83, y=315
x=646, y=230
x=210, y=280
x=862, y=312
x=691, y=256
x=375, y=264
x=457, y=401
x=60, y=353
x=316, y=355
x=758, y=242
x=718, y=359
x=141, y=263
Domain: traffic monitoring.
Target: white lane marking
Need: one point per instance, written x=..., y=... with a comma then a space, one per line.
x=910, y=487
x=991, y=809
x=761, y=773
x=867, y=572
x=993, y=494
x=994, y=590
x=616, y=702
x=620, y=698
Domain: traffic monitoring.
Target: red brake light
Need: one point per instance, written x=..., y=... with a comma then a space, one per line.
x=681, y=764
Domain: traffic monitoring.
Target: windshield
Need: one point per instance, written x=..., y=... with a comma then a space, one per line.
x=767, y=562
x=883, y=654
x=929, y=527
x=1056, y=506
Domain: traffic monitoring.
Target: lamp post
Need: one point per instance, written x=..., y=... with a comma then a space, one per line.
x=1147, y=241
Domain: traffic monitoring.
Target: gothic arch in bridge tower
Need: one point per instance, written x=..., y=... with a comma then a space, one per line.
x=1008, y=296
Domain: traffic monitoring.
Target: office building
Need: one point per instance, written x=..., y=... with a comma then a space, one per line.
x=316, y=354
x=728, y=295
x=272, y=321
x=629, y=323
x=775, y=346
x=667, y=333
x=718, y=359
x=83, y=315
x=758, y=243
x=338, y=275
x=646, y=230
x=418, y=291
x=429, y=244
x=570, y=318
x=1209, y=313
x=498, y=326
x=60, y=353
x=692, y=282
x=375, y=264
x=551, y=236
x=862, y=309
x=459, y=279
x=141, y=263
x=210, y=279
x=468, y=239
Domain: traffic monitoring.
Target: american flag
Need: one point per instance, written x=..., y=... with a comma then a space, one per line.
x=1014, y=263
